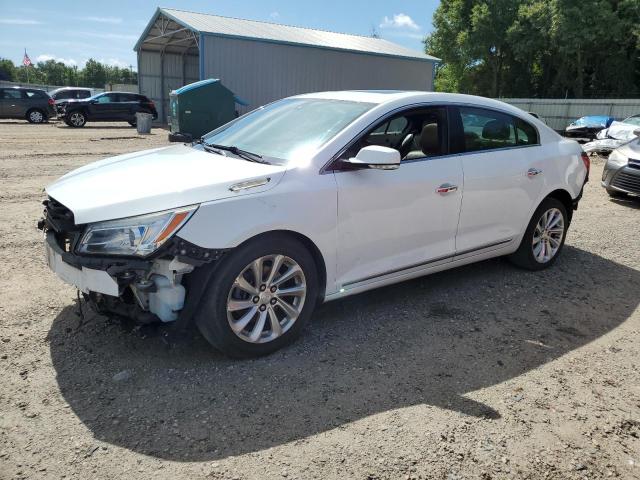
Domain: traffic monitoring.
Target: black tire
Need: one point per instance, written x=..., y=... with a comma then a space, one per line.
x=211, y=316
x=35, y=115
x=615, y=193
x=75, y=119
x=524, y=257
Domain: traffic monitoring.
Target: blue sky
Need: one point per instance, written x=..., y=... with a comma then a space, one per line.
x=73, y=31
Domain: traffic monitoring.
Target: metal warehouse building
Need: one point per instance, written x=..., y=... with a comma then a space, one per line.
x=262, y=62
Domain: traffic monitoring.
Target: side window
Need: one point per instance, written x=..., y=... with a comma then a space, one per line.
x=35, y=94
x=12, y=94
x=486, y=129
x=526, y=133
x=419, y=133
x=107, y=99
x=83, y=94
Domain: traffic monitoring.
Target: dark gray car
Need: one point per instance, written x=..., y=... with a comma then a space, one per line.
x=31, y=104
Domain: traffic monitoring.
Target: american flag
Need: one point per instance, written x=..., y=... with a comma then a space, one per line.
x=26, y=61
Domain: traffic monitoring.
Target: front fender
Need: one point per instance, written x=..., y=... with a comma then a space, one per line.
x=298, y=204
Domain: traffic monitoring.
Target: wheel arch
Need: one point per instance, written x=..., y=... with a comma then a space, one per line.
x=44, y=113
x=563, y=196
x=310, y=245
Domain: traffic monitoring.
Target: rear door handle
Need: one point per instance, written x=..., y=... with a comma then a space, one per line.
x=532, y=172
x=446, y=188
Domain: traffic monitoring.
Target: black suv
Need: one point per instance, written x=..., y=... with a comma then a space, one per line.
x=62, y=95
x=32, y=104
x=107, y=107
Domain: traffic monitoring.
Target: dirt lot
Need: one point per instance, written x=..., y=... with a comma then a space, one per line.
x=484, y=372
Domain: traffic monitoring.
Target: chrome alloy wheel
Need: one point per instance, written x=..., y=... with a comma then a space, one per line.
x=547, y=236
x=77, y=119
x=266, y=299
x=36, y=116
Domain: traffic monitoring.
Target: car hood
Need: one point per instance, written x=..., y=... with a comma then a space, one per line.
x=631, y=149
x=155, y=180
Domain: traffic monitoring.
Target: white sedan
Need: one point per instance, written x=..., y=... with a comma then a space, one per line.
x=310, y=199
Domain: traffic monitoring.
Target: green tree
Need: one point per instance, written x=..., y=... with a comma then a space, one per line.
x=537, y=47
x=7, y=69
x=94, y=74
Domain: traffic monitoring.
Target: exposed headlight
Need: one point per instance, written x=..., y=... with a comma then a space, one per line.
x=138, y=236
x=616, y=159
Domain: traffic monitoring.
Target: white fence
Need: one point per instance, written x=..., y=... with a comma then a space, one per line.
x=48, y=88
x=113, y=87
x=121, y=87
x=558, y=113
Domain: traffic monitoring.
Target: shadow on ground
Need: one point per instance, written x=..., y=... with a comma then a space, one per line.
x=630, y=201
x=427, y=341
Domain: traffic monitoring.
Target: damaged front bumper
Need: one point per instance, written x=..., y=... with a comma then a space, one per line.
x=144, y=289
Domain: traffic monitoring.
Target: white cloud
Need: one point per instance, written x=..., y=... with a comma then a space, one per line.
x=114, y=62
x=112, y=20
x=400, y=21
x=19, y=21
x=67, y=61
x=274, y=15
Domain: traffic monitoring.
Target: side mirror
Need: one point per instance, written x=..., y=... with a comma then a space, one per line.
x=378, y=157
x=636, y=132
x=94, y=101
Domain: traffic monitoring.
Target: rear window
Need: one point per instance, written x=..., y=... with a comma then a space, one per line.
x=36, y=94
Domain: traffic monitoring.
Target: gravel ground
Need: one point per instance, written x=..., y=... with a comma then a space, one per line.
x=484, y=372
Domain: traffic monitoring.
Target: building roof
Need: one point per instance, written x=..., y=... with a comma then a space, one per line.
x=202, y=23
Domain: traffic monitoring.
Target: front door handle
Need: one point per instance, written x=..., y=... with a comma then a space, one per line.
x=532, y=172
x=446, y=188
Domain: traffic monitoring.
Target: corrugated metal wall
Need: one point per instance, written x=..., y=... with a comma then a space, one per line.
x=558, y=113
x=261, y=72
x=158, y=73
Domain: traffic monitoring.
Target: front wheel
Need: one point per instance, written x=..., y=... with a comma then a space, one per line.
x=260, y=297
x=76, y=119
x=544, y=238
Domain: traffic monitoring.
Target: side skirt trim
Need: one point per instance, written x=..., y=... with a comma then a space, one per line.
x=456, y=256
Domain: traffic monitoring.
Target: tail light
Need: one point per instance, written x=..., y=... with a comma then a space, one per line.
x=51, y=101
x=586, y=161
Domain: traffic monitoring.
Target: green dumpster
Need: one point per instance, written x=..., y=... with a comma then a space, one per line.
x=200, y=107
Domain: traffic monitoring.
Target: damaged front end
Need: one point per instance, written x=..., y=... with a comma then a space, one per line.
x=137, y=267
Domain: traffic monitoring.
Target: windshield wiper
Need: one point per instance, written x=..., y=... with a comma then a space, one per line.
x=250, y=156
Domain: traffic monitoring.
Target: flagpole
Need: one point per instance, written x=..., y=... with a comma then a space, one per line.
x=27, y=66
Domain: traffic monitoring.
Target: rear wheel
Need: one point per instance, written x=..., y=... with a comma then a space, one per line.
x=544, y=238
x=76, y=119
x=260, y=298
x=36, y=115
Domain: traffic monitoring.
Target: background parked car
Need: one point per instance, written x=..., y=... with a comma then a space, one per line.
x=107, y=107
x=587, y=127
x=62, y=95
x=32, y=104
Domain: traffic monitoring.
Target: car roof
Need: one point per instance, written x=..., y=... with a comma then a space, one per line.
x=407, y=97
x=70, y=88
x=22, y=88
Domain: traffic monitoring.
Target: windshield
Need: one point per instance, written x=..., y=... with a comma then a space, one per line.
x=635, y=120
x=289, y=127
